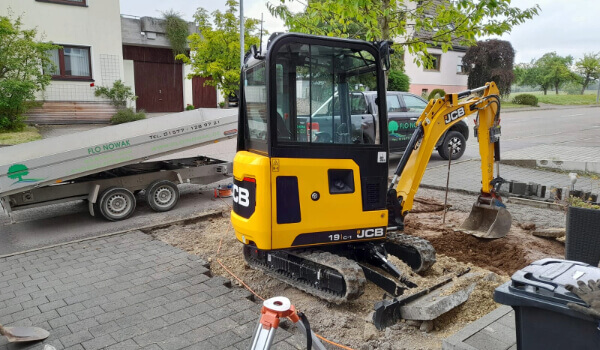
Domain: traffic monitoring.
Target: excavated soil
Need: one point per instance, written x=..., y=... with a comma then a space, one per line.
x=350, y=324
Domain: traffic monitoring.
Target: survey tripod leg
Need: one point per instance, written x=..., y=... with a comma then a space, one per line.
x=271, y=313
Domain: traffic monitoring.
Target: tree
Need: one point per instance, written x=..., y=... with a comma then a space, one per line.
x=554, y=69
x=24, y=67
x=531, y=75
x=589, y=68
x=415, y=25
x=491, y=60
x=215, y=52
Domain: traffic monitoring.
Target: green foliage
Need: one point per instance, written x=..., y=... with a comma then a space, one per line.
x=23, y=63
x=398, y=81
x=177, y=31
x=436, y=93
x=436, y=23
x=222, y=104
x=580, y=203
x=589, y=69
x=216, y=52
x=119, y=94
x=189, y=107
x=525, y=99
x=490, y=60
x=126, y=115
x=555, y=69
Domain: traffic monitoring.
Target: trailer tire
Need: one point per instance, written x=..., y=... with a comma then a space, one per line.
x=116, y=203
x=162, y=195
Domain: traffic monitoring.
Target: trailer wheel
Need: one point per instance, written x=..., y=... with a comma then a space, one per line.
x=162, y=195
x=116, y=203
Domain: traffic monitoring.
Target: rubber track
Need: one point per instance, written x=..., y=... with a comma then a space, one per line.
x=423, y=247
x=349, y=269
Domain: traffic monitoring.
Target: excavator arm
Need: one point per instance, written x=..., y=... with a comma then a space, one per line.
x=438, y=117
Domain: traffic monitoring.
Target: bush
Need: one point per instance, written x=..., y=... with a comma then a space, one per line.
x=127, y=115
x=118, y=94
x=24, y=71
x=189, y=107
x=398, y=81
x=526, y=99
x=436, y=93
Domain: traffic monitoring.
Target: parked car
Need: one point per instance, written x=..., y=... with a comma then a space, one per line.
x=403, y=111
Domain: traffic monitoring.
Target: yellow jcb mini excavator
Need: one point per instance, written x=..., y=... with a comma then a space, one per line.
x=312, y=202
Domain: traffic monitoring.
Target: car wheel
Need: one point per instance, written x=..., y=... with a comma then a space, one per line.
x=456, y=141
x=162, y=195
x=116, y=203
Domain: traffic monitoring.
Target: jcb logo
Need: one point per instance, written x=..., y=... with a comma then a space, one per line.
x=370, y=233
x=452, y=116
x=241, y=196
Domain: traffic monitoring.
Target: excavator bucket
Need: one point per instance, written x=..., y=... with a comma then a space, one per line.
x=487, y=221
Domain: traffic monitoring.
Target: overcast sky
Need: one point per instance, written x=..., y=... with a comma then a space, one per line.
x=567, y=27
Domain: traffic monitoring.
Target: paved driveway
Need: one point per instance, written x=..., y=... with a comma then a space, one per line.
x=125, y=292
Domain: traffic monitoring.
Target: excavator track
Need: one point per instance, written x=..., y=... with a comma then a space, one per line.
x=416, y=252
x=325, y=275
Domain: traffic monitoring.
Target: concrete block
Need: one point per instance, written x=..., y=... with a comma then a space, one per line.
x=434, y=304
x=531, y=189
x=519, y=188
x=541, y=191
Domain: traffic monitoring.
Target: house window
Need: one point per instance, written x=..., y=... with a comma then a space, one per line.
x=67, y=2
x=72, y=63
x=461, y=68
x=435, y=63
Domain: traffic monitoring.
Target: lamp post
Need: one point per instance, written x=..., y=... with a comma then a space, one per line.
x=241, y=33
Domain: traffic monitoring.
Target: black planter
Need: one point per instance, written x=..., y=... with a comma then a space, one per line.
x=583, y=235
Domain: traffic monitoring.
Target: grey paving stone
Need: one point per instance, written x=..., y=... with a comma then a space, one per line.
x=76, y=338
x=99, y=343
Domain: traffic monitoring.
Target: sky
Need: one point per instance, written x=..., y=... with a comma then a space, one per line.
x=567, y=27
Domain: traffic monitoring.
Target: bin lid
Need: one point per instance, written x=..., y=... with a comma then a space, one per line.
x=542, y=284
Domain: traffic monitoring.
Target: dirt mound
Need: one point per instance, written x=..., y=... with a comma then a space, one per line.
x=500, y=256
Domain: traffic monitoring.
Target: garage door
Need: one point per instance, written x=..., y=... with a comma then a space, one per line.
x=159, y=86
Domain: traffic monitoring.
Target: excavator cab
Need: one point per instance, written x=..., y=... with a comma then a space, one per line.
x=312, y=163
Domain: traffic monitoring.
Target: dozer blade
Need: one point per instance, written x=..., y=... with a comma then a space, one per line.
x=487, y=221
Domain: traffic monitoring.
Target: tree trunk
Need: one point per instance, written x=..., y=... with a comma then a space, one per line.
x=585, y=84
x=556, y=88
x=545, y=91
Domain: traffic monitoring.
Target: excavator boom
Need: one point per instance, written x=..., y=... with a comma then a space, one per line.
x=489, y=217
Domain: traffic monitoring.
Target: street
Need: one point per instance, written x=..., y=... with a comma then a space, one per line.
x=54, y=224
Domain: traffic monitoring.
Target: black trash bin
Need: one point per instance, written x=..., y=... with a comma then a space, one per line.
x=539, y=298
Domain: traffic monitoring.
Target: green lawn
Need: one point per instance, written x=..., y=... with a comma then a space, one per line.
x=589, y=98
x=12, y=138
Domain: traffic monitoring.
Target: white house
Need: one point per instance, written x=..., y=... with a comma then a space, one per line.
x=98, y=48
x=89, y=32
x=447, y=72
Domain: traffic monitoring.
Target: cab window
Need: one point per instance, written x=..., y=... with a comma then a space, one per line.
x=255, y=94
x=319, y=95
